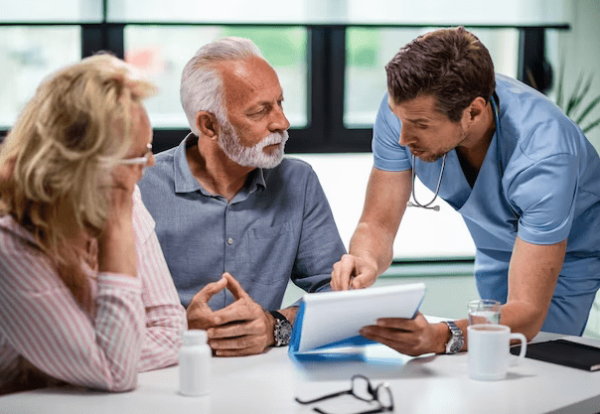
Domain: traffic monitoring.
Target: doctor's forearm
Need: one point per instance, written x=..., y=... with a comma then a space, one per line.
x=533, y=274
x=523, y=318
x=373, y=245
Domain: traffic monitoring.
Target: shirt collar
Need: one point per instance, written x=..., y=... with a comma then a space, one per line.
x=185, y=182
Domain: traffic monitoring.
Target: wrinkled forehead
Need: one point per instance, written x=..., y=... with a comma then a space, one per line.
x=248, y=81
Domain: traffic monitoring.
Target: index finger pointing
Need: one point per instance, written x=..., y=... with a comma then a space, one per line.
x=347, y=270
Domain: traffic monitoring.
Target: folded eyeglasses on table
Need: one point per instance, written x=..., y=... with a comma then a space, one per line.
x=361, y=389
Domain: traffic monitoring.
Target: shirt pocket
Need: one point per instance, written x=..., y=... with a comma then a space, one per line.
x=271, y=254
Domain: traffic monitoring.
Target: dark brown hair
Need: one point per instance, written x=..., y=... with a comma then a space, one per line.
x=450, y=64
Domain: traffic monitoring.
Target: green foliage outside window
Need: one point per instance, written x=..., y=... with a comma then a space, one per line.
x=280, y=47
x=363, y=47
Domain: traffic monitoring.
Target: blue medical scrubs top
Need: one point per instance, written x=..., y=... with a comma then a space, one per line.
x=540, y=180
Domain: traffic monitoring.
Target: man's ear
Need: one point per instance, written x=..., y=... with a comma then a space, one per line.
x=476, y=109
x=207, y=124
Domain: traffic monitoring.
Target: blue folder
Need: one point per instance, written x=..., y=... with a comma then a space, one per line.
x=354, y=304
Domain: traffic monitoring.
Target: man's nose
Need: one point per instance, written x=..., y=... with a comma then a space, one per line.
x=405, y=137
x=279, y=122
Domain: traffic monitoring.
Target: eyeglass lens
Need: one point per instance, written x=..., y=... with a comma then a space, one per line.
x=384, y=396
x=362, y=388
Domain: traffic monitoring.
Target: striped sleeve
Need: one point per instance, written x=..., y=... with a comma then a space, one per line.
x=165, y=316
x=41, y=321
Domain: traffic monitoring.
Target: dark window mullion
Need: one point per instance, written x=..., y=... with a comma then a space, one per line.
x=336, y=77
x=343, y=139
x=315, y=136
x=115, y=39
x=534, y=70
x=91, y=40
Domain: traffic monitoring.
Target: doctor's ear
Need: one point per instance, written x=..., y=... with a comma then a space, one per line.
x=474, y=111
x=207, y=124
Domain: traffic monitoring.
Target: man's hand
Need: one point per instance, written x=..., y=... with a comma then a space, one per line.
x=199, y=314
x=242, y=328
x=353, y=272
x=408, y=336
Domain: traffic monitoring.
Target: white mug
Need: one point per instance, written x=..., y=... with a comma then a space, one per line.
x=489, y=355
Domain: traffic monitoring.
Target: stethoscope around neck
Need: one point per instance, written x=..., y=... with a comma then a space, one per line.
x=428, y=206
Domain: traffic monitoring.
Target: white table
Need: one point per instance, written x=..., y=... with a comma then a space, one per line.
x=269, y=382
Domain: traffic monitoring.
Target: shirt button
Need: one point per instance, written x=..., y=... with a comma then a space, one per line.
x=230, y=241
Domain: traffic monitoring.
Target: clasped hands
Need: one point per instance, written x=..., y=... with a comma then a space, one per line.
x=242, y=328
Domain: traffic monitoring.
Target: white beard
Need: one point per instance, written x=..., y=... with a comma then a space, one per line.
x=254, y=156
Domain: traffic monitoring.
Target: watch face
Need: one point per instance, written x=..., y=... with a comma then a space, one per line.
x=283, y=332
x=455, y=345
x=457, y=340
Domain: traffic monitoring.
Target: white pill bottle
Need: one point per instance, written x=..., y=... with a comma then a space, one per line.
x=194, y=364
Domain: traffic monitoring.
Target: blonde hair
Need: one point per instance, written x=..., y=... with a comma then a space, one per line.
x=62, y=149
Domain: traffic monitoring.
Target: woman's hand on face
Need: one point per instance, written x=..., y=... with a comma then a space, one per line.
x=116, y=246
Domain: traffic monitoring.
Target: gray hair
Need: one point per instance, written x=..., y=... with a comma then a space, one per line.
x=201, y=84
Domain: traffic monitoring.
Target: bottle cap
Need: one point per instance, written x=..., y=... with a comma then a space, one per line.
x=194, y=337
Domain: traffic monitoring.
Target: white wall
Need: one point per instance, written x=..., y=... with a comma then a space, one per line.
x=581, y=49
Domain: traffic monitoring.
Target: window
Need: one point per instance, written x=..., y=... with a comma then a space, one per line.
x=27, y=56
x=162, y=52
x=369, y=49
x=329, y=55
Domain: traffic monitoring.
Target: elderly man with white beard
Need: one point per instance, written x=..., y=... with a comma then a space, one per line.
x=237, y=221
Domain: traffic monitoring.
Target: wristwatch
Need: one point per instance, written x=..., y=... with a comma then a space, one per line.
x=457, y=340
x=282, y=331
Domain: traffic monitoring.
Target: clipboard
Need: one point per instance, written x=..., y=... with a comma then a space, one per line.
x=330, y=321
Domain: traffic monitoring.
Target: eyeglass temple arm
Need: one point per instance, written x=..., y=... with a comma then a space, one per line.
x=381, y=409
x=325, y=397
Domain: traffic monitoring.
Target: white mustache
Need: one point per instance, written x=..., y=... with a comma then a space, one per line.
x=274, y=138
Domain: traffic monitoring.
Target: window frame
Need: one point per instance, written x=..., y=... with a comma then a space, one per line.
x=325, y=131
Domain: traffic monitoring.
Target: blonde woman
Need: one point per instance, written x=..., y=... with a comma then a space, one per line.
x=85, y=294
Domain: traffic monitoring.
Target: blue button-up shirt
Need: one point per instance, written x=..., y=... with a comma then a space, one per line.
x=278, y=226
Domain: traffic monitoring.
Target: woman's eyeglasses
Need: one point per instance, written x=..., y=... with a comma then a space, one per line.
x=361, y=389
x=139, y=160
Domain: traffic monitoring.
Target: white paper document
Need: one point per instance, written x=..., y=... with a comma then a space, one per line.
x=331, y=317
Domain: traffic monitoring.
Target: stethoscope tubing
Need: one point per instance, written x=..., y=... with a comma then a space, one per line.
x=415, y=202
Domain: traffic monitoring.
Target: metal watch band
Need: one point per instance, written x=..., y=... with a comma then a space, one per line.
x=282, y=331
x=457, y=340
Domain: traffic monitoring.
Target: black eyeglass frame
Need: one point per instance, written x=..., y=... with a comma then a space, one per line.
x=373, y=392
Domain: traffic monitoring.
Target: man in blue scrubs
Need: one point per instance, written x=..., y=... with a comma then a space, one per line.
x=523, y=176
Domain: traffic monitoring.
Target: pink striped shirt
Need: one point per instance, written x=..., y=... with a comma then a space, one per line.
x=136, y=324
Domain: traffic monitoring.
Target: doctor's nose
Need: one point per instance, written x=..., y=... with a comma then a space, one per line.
x=405, y=138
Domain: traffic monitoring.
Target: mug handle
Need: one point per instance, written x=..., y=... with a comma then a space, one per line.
x=520, y=337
